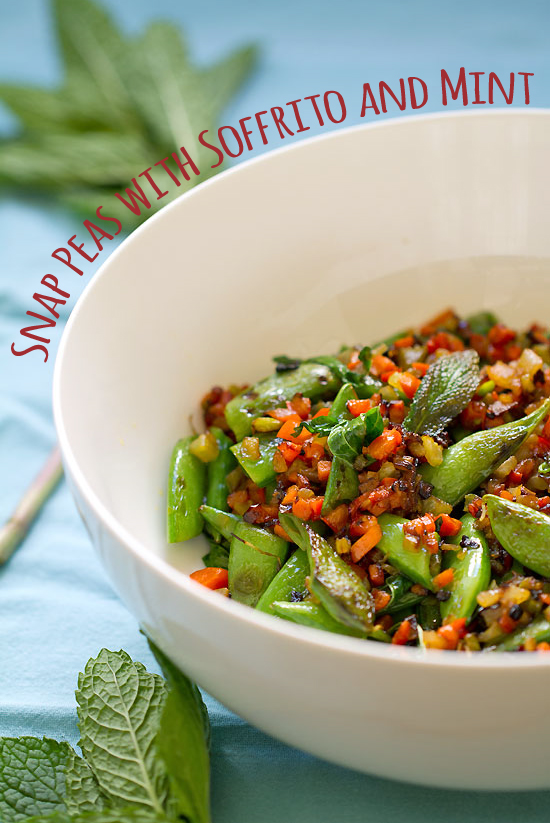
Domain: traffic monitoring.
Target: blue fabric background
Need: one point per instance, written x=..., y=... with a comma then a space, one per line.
x=56, y=607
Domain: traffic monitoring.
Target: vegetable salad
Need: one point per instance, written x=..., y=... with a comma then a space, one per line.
x=397, y=492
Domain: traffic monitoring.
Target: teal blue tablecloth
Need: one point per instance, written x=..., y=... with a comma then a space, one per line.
x=56, y=606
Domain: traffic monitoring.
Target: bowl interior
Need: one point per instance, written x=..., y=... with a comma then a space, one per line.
x=336, y=240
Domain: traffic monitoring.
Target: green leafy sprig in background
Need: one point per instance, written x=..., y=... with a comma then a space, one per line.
x=145, y=747
x=125, y=104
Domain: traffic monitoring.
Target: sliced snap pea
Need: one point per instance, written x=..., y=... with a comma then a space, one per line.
x=415, y=564
x=314, y=615
x=186, y=490
x=224, y=523
x=429, y=613
x=255, y=558
x=314, y=381
x=472, y=570
x=469, y=462
x=260, y=470
x=522, y=531
x=539, y=630
x=290, y=579
x=335, y=584
x=216, y=489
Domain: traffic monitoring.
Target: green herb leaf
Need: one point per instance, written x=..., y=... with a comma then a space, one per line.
x=119, y=710
x=446, y=389
x=32, y=777
x=346, y=440
x=183, y=741
x=126, y=103
x=82, y=792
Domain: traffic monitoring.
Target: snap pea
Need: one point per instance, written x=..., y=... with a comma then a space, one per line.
x=342, y=485
x=472, y=570
x=312, y=380
x=539, y=630
x=186, y=490
x=429, y=613
x=314, y=615
x=469, y=462
x=412, y=563
x=224, y=523
x=335, y=584
x=261, y=471
x=255, y=557
x=216, y=488
x=290, y=578
x=398, y=588
x=522, y=531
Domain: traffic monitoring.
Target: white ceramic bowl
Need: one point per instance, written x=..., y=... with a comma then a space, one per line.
x=337, y=239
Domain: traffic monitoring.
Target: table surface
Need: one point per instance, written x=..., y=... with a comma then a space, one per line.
x=57, y=608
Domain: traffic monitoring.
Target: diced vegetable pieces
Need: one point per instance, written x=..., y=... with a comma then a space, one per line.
x=211, y=577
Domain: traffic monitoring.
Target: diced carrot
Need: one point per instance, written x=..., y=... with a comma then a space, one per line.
x=359, y=405
x=281, y=414
x=322, y=411
x=211, y=577
x=380, y=364
x=507, y=495
x=501, y=334
x=449, y=526
x=444, y=340
x=316, y=505
x=313, y=449
x=368, y=540
x=409, y=383
x=402, y=634
x=291, y=495
x=440, y=320
x=385, y=444
x=361, y=572
x=238, y=501
x=376, y=575
x=354, y=360
x=323, y=470
x=543, y=501
x=420, y=367
x=289, y=426
x=289, y=451
x=337, y=518
x=543, y=647
x=474, y=507
x=452, y=632
x=444, y=578
x=514, y=477
x=545, y=598
x=302, y=509
x=301, y=405
x=381, y=599
x=407, y=341
x=280, y=531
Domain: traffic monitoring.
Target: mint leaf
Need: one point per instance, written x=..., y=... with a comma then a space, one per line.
x=82, y=792
x=346, y=440
x=119, y=710
x=183, y=741
x=446, y=389
x=32, y=777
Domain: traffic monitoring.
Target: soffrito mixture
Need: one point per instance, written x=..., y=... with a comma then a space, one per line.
x=398, y=492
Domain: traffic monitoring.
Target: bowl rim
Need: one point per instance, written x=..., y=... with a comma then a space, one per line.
x=294, y=633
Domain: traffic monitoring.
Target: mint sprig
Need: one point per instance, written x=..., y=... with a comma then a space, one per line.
x=124, y=104
x=145, y=746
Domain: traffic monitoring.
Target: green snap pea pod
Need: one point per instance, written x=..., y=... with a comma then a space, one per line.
x=429, y=613
x=224, y=523
x=336, y=585
x=314, y=615
x=401, y=597
x=469, y=462
x=216, y=488
x=186, y=490
x=290, y=579
x=255, y=558
x=522, y=531
x=415, y=564
x=315, y=381
x=539, y=630
x=218, y=470
x=472, y=570
x=260, y=470
x=342, y=485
